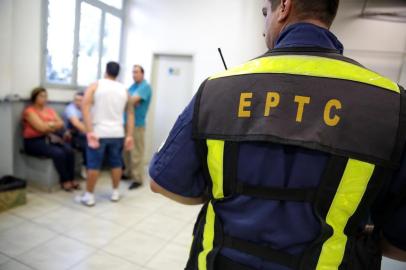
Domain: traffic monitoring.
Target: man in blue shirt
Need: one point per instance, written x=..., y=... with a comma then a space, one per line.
x=177, y=170
x=74, y=124
x=141, y=94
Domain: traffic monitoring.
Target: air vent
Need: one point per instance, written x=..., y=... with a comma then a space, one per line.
x=386, y=10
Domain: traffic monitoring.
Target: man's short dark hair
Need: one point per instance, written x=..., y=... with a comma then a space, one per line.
x=323, y=10
x=140, y=67
x=113, y=69
x=80, y=94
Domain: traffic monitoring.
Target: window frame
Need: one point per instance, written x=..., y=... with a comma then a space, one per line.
x=73, y=85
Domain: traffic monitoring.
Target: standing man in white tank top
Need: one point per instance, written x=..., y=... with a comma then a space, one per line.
x=104, y=105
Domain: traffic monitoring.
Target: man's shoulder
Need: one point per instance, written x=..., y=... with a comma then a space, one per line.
x=70, y=106
x=147, y=85
x=144, y=90
x=118, y=83
x=118, y=86
x=71, y=110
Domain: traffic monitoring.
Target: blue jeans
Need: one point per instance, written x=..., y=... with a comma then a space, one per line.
x=79, y=143
x=112, y=149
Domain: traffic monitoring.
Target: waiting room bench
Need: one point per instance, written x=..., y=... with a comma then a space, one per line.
x=40, y=172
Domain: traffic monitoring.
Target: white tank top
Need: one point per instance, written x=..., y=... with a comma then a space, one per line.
x=110, y=100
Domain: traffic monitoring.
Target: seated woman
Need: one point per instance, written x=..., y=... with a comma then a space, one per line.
x=40, y=124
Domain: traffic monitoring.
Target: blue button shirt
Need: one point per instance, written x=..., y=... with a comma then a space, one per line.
x=143, y=90
x=288, y=226
x=71, y=111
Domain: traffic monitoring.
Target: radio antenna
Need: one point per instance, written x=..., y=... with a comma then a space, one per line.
x=222, y=58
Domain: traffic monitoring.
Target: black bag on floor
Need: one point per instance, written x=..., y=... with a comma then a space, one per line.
x=12, y=192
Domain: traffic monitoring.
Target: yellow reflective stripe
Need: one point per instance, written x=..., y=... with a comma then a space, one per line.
x=346, y=201
x=208, y=237
x=311, y=66
x=215, y=164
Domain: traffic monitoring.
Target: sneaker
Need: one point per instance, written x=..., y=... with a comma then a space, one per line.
x=134, y=185
x=87, y=199
x=115, y=197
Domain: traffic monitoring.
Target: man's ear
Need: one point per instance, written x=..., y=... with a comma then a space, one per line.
x=284, y=10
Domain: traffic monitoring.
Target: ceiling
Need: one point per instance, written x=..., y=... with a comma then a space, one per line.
x=388, y=10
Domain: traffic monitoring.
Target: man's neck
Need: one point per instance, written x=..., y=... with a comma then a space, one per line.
x=311, y=21
x=308, y=34
x=110, y=78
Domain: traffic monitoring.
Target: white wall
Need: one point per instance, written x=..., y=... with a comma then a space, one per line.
x=6, y=11
x=26, y=46
x=196, y=28
x=378, y=45
x=20, y=46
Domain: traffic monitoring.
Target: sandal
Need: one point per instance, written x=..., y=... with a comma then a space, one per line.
x=76, y=186
x=70, y=189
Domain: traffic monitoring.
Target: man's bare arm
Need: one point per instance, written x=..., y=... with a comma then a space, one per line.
x=175, y=197
x=136, y=100
x=79, y=125
x=87, y=104
x=392, y=252
x=130, y=116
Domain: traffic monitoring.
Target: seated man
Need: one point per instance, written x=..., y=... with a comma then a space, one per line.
x=74, y=124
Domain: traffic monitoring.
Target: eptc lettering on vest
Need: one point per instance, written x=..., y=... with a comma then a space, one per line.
x=330, y=116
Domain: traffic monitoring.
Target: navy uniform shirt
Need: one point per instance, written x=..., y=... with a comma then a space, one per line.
x=288, y=226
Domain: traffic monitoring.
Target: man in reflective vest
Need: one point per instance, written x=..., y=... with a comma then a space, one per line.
x=291, y=154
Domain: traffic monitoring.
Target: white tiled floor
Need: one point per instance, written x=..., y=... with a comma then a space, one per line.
x=53, y=232
x=142, y=232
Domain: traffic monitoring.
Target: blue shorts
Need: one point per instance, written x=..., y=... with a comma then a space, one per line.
x=112, y=149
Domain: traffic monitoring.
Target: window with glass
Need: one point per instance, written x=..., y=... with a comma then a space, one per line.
x=81, y=37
